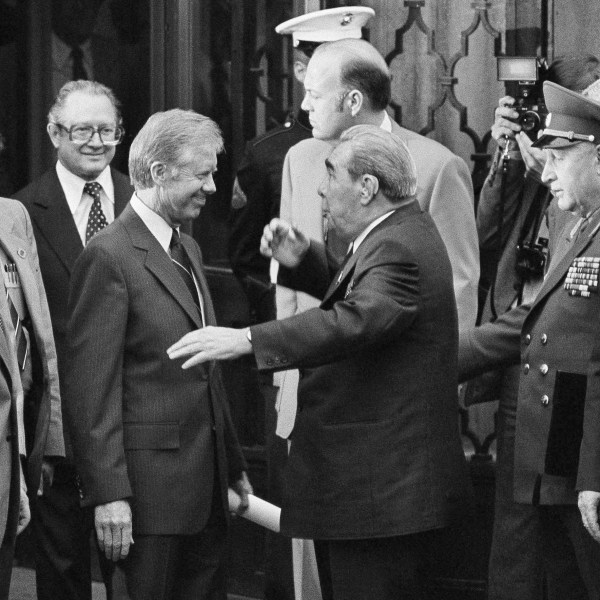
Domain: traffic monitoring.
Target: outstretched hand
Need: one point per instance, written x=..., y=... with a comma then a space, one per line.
x=210, y=343
x=284, y=243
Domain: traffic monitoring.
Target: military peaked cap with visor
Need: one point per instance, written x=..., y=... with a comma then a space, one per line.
x=327, y=25
x=572, y=118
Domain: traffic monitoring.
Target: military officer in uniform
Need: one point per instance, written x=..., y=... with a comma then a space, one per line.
x=557, y=340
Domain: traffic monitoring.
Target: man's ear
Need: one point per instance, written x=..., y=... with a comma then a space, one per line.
x=53, y=133
x=159, y=172
x=355, y=100
x=369, y=189
x=299, y=70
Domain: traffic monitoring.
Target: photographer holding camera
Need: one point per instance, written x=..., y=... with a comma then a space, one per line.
x=519, y=227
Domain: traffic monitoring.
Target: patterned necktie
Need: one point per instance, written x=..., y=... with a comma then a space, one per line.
x=182, y=263
x=11, y=279
x=96, y=219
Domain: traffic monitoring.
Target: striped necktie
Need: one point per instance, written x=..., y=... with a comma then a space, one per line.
x=11, y=279
x=182, y=263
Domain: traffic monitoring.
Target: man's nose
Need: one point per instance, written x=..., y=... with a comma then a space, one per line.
x=305, y=103
x=548, y=174
x=209, y=186
x=95, y=140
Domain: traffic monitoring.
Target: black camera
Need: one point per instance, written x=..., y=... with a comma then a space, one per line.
x=531, y=259
x=528, y=74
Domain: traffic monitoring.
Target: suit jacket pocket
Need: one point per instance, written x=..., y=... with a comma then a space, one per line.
x=151, y=436
x=566, y=426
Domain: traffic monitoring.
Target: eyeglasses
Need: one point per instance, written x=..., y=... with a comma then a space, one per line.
x=82, y=134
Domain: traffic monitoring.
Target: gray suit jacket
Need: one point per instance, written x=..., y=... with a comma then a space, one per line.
x=9, y=448
x=141, y=427
x=17, y=241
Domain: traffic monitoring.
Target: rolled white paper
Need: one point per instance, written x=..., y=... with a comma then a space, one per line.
x=259, y=511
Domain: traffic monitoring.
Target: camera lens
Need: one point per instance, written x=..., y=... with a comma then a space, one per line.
x=529, y=120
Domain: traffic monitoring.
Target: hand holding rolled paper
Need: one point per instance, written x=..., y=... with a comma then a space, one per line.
x=259, y=511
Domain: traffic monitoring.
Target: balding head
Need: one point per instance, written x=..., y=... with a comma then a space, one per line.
x=361, y=67
x=347, y=83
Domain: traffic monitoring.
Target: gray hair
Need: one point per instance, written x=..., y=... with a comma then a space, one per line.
x=383, y=155
x=165, y=138
x=93, y=88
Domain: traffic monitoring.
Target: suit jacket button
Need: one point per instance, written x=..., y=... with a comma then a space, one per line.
x=545, y=400
x=269, y=362
x=544, y=338
x=528, y=339
x=526, y=368
x=544, y=369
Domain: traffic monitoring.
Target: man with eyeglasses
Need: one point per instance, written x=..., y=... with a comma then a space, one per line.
x=68, y=204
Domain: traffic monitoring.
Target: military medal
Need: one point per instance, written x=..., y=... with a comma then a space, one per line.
x=582, y=277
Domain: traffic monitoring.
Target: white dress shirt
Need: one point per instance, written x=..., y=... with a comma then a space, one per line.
x=80, y=203
x=163, y=232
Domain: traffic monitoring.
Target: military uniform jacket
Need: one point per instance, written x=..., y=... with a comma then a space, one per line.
x=375, y=450
x=557, y=449
x=18, y=243
x=259, y=184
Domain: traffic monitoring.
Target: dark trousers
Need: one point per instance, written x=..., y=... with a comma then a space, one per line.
x=516, y=566
x=180, y=567
x=571, y=556
x=391, y=568
x=61, y=534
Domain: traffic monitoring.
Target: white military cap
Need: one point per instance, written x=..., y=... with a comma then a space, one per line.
x=327, y=25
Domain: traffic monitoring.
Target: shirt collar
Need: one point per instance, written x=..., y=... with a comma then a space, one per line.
x=72, y=185
x=386, y=125
x=359, y=240
x=158, y=227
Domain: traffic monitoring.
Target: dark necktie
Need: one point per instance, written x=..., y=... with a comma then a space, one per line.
x=79, y=71
x=96, y=218
x=182, y=263
x=12, y=280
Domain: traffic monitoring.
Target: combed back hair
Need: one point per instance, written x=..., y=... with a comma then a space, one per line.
x=167, y=137
x=574, y=71
x=361, y=68
x=385, y=156
x=93, y=88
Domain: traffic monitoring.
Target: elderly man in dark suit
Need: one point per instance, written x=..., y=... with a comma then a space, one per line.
x=154, y=446
x=27, y=353
x=556, y=341
x=376, y=467
x=68, y=204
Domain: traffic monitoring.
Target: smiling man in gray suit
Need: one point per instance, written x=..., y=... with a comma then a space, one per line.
x=154, y=445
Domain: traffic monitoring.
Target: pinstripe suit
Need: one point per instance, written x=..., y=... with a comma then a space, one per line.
x=142, y=429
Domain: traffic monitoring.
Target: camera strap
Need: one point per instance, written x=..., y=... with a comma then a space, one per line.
x=504, y=159
x=535, y=215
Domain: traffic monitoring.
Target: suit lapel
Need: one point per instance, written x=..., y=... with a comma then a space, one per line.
x=52, y=216
x=159, y=264
x=341, y=277
x=557, y=273
x=347, y=268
